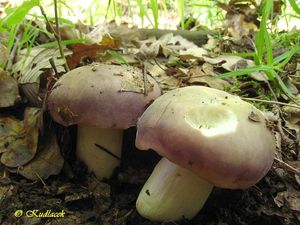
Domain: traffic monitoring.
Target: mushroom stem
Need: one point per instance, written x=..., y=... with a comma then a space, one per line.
x=100, y=149
x=171, y=193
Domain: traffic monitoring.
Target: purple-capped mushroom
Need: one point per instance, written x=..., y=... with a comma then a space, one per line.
x=207, y=138
x=103, y=100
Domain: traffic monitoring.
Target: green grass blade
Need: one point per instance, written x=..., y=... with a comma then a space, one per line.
x=284, y=58
x=18, y=14
x=295, y=6
x=181, y=12
x=12, y=36
x=262, y=33
x=143, y=12
x=154, y=8
x=63, y=43
x=245, y=71
x=117, y=56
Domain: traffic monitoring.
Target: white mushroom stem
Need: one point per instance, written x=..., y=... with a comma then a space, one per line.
x=100, y=149
x=171, y=193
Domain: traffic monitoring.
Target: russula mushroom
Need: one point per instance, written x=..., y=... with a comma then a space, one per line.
x=207, y=138
x=103, y=100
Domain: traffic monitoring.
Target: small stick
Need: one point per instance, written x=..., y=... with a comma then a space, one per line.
x=271, y=102
x=107, y=151
x=286, y=166
x=13, y=53
x=56, y=35
x=145, y=80
x=54, y=68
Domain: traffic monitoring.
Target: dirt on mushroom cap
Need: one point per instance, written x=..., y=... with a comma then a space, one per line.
x=108, y=96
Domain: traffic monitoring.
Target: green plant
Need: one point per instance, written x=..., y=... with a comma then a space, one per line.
x=295, y=6
x=154, y=8
x=143, y=12
x=15, y=16
x=181, y=12
x=263, y=56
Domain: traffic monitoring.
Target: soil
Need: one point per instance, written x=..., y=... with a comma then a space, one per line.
x=86, y=200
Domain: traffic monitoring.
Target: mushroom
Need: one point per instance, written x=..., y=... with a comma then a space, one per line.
x=207, y=138
x=103, y=100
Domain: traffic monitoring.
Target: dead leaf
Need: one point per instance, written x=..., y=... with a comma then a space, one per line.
x=47, y=162
x=238, y=26
x=198, y=76
x=4, y=55
x=29, y=67
x=290, y=198
x=68, y=32
x=165, y=81
x=111, y=42
x=10, y=128
x=22, y=147
x=82, y=52
x=9, y=92
x=6, y=192
x=293, y=115
x=254, y=117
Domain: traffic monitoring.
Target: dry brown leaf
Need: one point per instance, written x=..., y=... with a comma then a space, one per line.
x=238, y=26
x=293, y=115
x=9, y=92
x=82, y=52
x=6, y=192
x=47, y=162
x=4, y=55
x=165, y=81
x=197, y=76
x=10, y=128
x=20, y=149
x=290, y=198
x=170, y=45
x=111, y=42
x=68, y=32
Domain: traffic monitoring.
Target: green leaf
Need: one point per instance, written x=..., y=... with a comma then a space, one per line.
x=18, y=14
x=245, y=71
x=181, y=12
x=143, y=12
x=284, y=58
x=295, y=6
x=63, y=43
x=262, y=39
x=154, y=7
x=117, y=56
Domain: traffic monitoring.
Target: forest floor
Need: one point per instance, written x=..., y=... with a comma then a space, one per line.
x=55, y=180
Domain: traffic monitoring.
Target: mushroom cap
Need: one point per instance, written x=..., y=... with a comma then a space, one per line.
x=106, y=96
x=218, y=136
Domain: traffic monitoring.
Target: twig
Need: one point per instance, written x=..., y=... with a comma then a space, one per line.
x=271, y=102
x=286, y=166
x=275, y=97
x=13, y=53
x=58, y=37
x=42, y=181
x=54, y=68
x=107, y=151
x=56, y=33
x=145, y=80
